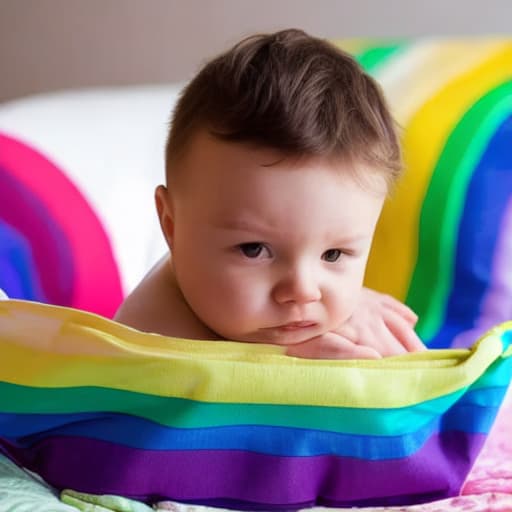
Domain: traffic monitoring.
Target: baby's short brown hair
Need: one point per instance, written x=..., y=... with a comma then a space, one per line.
x=292, y=92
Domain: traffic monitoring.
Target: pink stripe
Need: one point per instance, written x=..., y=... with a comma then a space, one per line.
x=97, y=286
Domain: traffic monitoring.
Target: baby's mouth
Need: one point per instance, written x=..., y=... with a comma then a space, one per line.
x=290, y=333
x=295, y=326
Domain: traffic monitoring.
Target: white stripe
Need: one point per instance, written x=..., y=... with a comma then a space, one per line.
x=413, y=76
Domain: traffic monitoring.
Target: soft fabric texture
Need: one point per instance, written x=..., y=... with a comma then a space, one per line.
x=108, y=145
x=21, y=491
x=444, y=241
x=101, y=503
x=99, y=408
x=53, y=247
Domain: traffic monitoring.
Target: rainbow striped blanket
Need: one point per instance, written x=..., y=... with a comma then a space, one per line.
x=442, y=244
x=94, y=406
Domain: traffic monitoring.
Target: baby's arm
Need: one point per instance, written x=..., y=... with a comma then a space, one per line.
x=157, y=305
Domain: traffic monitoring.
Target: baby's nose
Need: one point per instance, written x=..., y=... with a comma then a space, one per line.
x=298, y=286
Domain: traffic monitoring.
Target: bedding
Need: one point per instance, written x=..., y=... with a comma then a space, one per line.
x=99, y=408
x=50, y=236
x=487, y=488
x=77, y=159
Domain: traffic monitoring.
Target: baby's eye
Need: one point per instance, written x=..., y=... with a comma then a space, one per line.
x=254, y=250
x=331, y=255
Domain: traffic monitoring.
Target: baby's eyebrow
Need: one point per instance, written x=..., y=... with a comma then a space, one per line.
x=351, y=238
x=240, y=225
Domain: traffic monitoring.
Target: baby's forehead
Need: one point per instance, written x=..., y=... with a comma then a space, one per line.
x=210, y=160
x=207, y=146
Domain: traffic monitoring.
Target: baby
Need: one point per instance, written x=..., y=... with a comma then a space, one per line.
x=279, y=158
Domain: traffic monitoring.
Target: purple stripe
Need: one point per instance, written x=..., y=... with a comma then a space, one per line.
x=25, y=212
x=497, y=302
x=18, y=274
x=436, y=471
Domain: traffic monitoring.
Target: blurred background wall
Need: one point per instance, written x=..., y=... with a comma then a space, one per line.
x=48, y=45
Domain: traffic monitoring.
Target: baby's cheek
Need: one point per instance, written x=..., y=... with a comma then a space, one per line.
x=238, y=302
x=345, y=301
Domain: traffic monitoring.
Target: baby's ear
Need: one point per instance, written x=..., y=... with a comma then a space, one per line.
x=165, y=213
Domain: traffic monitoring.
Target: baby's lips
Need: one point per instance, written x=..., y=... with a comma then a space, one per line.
x=293, y=326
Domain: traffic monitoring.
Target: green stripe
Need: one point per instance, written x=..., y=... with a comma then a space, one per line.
x=444, y=204
x=183, y=413
x=376, y=56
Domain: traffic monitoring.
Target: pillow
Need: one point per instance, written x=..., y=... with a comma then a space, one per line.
x=52, y=246
x=443, y=243
x=105, y=150
x=100, y=408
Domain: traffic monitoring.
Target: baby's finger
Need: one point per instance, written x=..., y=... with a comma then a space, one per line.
x=400, y=308
x=385, y=342
x=332, y=346
x=373, y=334
x=403, y=333
x=346, y=349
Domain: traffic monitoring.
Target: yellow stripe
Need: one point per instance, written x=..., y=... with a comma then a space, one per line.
x=353, y=45
x=432, y=118
x=412, y=78
x=45, y=346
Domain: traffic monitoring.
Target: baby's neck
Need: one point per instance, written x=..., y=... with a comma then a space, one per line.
x=158, y=306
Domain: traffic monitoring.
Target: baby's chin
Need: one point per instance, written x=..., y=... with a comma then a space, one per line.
x=279, y=336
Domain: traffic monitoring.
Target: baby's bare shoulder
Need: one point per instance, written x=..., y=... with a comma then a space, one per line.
x=156, y=305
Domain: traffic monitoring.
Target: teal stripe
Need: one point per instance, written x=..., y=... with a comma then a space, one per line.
x=374, y=57
x=182, y=413
x=498, y=374
x=26, y=430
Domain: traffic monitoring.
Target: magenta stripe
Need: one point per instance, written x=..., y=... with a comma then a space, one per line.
x=94, y=265
x=436, y=471
x=24, y=211
x=497, y=302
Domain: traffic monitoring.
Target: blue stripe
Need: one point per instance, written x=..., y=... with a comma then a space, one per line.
x=468, y=415
x=18, y=273
x=14, y=192
x=488, y=194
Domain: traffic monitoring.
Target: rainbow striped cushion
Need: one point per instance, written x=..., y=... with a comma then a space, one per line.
x=53, y=247
x=100, y=408
x=443, y=244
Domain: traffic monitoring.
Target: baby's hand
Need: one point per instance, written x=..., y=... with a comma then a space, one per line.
x=380, y=326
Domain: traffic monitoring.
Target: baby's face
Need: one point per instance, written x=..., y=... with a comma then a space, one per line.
x=267, y=249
